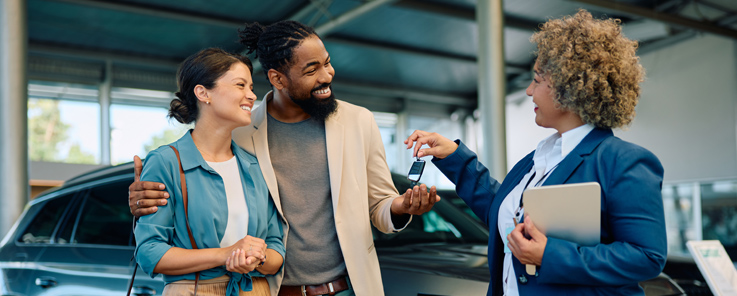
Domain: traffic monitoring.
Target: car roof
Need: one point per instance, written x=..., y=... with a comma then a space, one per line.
x=101, y=173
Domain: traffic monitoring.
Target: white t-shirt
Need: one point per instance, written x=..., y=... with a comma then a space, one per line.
x=237, y=226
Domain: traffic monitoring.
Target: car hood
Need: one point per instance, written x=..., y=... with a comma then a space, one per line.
x=466, y=261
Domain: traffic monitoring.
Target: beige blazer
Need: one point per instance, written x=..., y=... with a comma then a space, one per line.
x=360, y=183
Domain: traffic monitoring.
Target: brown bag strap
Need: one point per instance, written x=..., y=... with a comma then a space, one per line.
x=133, y=277
x=183, y=180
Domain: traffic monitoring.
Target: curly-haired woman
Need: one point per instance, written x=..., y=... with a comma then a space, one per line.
x=586, y=83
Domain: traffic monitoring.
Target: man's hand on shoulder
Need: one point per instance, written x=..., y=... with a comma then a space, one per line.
x=144, y=197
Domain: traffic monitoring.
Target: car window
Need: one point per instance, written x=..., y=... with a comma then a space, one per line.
x=105, y=218
x=42, y=227
x=66, y=227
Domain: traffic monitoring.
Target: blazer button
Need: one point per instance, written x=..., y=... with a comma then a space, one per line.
x=523, y=279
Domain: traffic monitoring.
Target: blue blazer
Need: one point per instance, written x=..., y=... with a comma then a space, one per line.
x=633, y=240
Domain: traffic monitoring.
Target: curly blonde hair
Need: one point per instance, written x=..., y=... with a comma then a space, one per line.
x=593, y=69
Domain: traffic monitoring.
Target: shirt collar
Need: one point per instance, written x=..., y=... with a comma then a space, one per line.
x=556, y=147
x=573, y=137
x=191, y=157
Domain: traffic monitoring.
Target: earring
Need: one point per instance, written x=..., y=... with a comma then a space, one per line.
x=208, y=102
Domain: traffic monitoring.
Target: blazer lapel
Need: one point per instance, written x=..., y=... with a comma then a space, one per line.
x=261, y=150
x=334, y=139
x=515, y=175
x=569, y=164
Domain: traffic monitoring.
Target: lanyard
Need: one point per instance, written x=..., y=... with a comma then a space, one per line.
x=521, y=205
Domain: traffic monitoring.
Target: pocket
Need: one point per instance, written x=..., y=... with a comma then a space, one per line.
x=370, y=248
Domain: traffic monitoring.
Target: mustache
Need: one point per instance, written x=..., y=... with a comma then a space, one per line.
x=321, y=86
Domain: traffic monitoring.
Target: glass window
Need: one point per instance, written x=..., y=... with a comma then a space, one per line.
x=66, y=228
x=719, y=214
x=136, y=130
x=678, y=203
x=387, y=123
x=105, y=218
x=42, y=228
x=61, y=130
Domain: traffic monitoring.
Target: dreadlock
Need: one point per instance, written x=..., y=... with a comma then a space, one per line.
x=274, y=44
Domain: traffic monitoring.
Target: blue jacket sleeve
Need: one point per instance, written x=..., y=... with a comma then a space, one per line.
x=154, y=233
x=633, y=219
x=473, y=182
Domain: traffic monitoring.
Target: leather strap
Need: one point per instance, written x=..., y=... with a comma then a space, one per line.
x=186, y=218
x=183, y=180
x=133, y=277
x=330, y=288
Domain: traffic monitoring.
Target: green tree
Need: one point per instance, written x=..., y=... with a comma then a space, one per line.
x=46, y=132
x=76, y=155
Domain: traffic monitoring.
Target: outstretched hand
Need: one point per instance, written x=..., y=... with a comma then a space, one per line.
x=440, y=146
x=530, y=248
x=415, y=201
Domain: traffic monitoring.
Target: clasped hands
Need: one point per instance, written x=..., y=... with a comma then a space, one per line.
x=246, y=255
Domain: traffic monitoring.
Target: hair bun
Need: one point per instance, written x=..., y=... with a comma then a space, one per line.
x=178, y=110
x=250, y=35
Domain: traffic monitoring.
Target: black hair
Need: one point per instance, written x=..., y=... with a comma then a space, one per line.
x=274, y=44
x=202, y=68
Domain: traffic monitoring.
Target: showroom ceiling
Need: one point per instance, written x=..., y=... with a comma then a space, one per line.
x=387, y=54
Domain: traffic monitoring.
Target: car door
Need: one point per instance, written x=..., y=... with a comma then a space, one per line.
x=34, y=233
x=93, y=249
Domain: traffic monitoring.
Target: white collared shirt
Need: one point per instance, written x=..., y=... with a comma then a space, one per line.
x=549, y=153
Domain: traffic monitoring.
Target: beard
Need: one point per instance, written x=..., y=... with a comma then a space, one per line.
x=319, y=109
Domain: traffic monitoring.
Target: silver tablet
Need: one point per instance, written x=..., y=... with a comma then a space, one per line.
x=570, y=212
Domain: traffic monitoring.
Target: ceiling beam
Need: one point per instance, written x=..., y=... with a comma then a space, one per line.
x=663, y=17
x=415, y=95
x=465, y=13
x=159, y=12
x=303, y=12
x=101, y=56
x=666, y=42
x=728, y=20
x=327, y=28
x=384, y=46
x=323, y=30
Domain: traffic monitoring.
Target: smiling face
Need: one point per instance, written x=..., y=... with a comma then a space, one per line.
x=232, y=97
x=309, y=79
x=547, y=114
